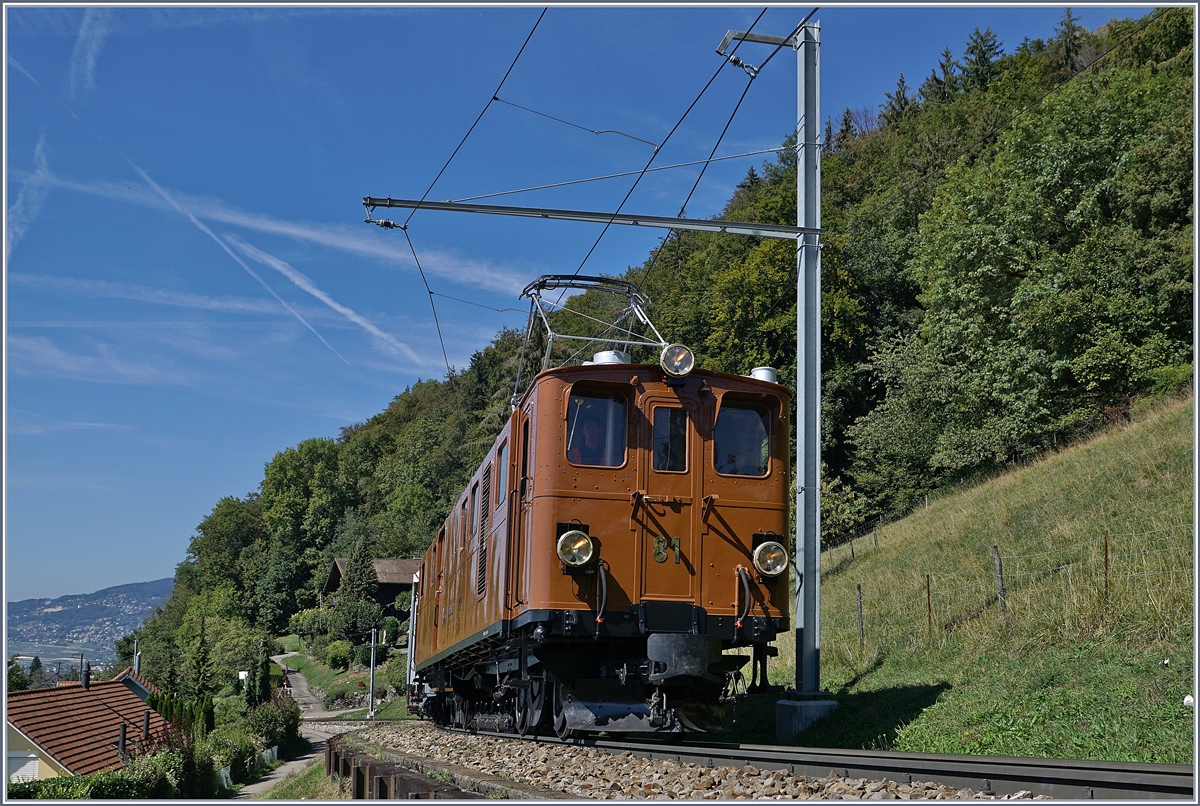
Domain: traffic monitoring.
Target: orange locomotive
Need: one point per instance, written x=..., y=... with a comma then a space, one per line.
x=624, y=530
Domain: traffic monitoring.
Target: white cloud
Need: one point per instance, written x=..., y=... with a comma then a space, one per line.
x=93, y=32
x=181, y=209
x=104, y=288
x=30, y=198
x=359, y=240
x=28, y=423
x=41, y=356
x=386, y=340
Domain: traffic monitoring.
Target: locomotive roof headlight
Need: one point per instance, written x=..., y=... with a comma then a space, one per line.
x=575, y=548
x=677, y=360
x=770, y=558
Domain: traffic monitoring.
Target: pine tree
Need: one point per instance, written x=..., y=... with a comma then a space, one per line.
x=1068, y=40
x=37, y=677
x=899, y=105
x=937, y=88
x=17, y=680
x=359, y=581
x=846, y=131
x=980, y=55
x=198, y=667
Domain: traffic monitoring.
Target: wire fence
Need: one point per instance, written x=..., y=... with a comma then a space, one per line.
x=1075, y=583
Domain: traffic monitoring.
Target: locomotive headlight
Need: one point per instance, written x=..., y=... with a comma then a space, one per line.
x=677, y=360
x=575, y=548
x=770, y=558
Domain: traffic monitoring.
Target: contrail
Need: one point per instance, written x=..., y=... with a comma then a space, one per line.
x=230, y=252
x=17, y=65
x=308, y=285
x=92, y=34
x=30, y=198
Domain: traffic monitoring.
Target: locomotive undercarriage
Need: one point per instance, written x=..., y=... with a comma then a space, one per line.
x=540, y=675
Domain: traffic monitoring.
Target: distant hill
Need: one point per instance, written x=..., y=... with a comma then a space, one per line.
x=88, y=619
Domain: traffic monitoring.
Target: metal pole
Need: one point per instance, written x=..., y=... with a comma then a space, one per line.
x=808, y=356
x=371, y=701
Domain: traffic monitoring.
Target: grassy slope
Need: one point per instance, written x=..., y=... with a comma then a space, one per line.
x=309, y=784
x=1067, y=673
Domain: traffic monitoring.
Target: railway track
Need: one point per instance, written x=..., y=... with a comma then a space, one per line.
x=999, y=775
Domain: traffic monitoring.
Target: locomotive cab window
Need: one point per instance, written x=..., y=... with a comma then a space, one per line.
x=670, y=439
x=742, y=440
x=596, y=429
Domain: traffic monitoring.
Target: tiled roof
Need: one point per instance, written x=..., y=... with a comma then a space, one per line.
x=389, y=571
x=79, y=727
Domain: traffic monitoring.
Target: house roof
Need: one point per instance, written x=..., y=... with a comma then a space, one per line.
x=134, y=682
x=79, y=727
x=389, y=571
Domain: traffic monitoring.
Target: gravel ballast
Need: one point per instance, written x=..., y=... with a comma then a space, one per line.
x=585, y=772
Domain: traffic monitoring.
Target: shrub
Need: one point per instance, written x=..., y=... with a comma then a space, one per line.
x=337, y=655
x=362, y=655
x=275, y=723
x=352, y=620
x=231, y=746
x=394, y=673
x=229, y=710
x=391, y=629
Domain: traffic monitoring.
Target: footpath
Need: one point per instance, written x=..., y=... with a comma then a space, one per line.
x=310, y=707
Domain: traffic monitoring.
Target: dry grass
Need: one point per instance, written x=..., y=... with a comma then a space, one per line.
x=1048, y=520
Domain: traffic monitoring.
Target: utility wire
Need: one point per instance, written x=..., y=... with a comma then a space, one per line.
x=575, y=125
x=753, y=73
x=656, y=153
x=436, y=323
x=404, y=226
x=476, y=304
x=479, y=118
x=622, y=174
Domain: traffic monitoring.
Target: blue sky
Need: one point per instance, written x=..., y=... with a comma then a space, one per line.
x=189, y=284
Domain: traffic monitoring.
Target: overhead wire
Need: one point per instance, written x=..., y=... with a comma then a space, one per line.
x=428, y=290
x=404, y=227
x=753, y=75
x=896, y=195
x=674, y=128
x=621, y=174
x=575, y=125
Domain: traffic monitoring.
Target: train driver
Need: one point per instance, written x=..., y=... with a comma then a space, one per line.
x=588, y=447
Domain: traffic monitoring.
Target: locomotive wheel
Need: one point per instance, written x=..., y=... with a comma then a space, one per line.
x=560, y=717
x=537, y=701
x=531, y=704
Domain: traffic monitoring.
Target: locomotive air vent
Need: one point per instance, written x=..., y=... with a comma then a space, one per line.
x=764, y=374
x=608, y=357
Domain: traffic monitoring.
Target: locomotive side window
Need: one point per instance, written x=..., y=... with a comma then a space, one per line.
x=501, y=475
x=741, y=440
x=596, y=430
x=670, y=439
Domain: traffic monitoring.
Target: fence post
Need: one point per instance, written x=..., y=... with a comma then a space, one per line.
x=928, y=606
x=852, y=548
x=875, y=535
x=1105, y=565
x=1000, y=583
x=862, y=636
x=926, y=502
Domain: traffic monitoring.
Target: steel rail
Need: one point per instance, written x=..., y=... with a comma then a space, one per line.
x=998, y=775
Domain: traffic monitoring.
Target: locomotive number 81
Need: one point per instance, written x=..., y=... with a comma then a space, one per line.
x=623, y=532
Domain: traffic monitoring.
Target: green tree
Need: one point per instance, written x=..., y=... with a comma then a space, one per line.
x=359, y=582
x=899, y=105
x=1068, y=40
x=980, y=58
x=17, y=679
x=198, y=668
